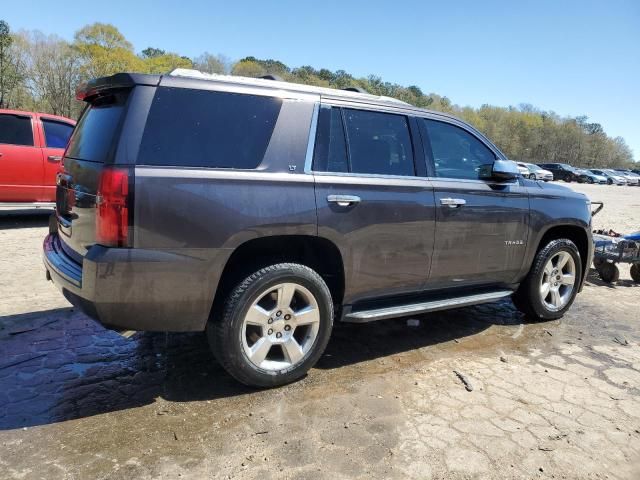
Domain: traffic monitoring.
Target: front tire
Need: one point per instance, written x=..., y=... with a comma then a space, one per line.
x=552, y=283
x=274, y=327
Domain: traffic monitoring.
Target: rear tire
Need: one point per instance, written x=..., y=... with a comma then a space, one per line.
x=274, y=327
x=635, y=272
x=532, y=176
x=552, y=283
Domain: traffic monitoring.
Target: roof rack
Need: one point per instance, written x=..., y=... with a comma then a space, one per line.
x=272, y=80
x=271, y=76
x=355, y=89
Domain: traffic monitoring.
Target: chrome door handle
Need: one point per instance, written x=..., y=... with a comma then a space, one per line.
x=54, y=158
x=343, y=200
x=453, y=202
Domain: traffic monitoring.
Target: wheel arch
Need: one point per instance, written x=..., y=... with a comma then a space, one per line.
x=578, y=235
x=317, y=253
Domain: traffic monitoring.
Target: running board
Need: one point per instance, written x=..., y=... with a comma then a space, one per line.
x=364, y=316
x=26, y=205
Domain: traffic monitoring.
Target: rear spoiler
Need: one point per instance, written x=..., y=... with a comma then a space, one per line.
x=97, y=86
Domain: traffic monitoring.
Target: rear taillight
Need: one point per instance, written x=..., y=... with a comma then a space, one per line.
x=113, y=208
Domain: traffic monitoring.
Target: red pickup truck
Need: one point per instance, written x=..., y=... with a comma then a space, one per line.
x=31, y=149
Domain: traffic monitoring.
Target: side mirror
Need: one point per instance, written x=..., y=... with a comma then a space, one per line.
x=500, y=171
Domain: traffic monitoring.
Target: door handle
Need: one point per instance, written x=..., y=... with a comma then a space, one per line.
x=343, y=200
x=54, y=158
x=453, y=202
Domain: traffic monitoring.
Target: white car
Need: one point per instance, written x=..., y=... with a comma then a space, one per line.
x=524, y=171
x=630, y=177
x=536, y=172
x=613, y=177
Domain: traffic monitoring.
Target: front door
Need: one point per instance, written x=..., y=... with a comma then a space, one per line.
x=56, y=136
x=481, y=226
x=21, y=168
x=371, y=201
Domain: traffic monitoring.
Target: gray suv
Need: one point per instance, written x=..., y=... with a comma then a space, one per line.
x=263, y=211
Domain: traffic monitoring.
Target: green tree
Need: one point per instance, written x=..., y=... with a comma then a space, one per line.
x=151, y=52
x=165, y=63
x=103, y=51
x=9, y=72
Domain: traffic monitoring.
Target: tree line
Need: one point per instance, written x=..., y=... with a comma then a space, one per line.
x=40, y=72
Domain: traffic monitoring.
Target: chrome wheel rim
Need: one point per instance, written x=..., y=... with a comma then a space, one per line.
x=280, y=327
x=558, y=281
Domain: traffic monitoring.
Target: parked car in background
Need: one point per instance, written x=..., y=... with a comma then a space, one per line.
x=193, y=202
x=630, y=177
x=536, y=172
x=587, y=176
x=31, y=149
x=524, y=171
x=561, y=171
x=612, y=177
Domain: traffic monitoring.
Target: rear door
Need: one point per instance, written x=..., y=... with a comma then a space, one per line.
x=55, y=136
x=481, y=226
x=373, y=200
x=21, y=168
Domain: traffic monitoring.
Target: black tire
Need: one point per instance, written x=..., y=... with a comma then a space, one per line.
x=589, y=180
x=527, y=297
x=635, y=272
x=609, y=272
x=598, y=262
x=225, y=333
x=532, y=176
x=609, y=181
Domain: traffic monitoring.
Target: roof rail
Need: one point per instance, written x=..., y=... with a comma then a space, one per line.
x=271, y=76
x=355, y=89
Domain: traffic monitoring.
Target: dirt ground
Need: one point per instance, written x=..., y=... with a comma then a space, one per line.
x=557, y=399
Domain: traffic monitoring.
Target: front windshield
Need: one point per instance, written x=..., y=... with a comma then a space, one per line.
x=533, y=167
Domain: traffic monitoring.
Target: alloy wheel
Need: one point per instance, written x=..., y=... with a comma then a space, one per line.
x=280, y=327
x=558, y=281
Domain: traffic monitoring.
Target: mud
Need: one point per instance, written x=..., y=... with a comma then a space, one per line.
x=556, y=399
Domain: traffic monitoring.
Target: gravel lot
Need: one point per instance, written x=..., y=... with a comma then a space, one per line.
x=548, y=400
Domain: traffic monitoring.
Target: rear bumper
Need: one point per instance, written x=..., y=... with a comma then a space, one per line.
x=136, y=289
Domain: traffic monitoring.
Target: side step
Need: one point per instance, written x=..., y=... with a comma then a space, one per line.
x=364, y=316
x=25, y=205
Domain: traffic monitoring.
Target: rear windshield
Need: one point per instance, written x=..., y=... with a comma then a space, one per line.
x=199, y=128
x=95, y=135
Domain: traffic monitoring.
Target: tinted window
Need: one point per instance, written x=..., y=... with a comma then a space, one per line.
x=330, y=154
x=379, y=143
x=16, y=130
x=94, y=138
x=201, y=128
x=56, y=134
x=456, y=153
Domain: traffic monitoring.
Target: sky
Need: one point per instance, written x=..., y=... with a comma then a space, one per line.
x=571, y=57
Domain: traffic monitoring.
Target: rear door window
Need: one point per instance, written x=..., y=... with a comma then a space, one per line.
x=95, y=135
x=16, y=130
x=200, y=128
x=330, y=154
x=379, y=143
x=56, y=134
